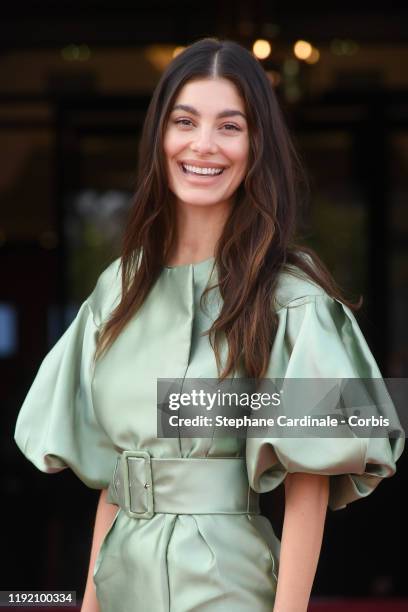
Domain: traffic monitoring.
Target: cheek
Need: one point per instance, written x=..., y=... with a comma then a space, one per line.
x=240, y=155
x=169, y=152
x=168, y=145
x=173, y=143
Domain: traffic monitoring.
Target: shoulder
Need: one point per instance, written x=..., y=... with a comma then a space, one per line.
x=106, y=293
x=294, y=288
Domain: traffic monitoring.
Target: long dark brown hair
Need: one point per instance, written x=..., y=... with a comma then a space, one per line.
x=258, y=238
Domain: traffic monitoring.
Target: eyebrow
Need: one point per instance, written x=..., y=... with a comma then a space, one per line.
x=228, y=112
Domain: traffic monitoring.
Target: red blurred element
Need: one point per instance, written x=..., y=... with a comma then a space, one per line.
x=378, y=604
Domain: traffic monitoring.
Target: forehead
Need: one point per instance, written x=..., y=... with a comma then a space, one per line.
x=210, y=95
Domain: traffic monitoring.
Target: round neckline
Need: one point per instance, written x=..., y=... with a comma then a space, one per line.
x=191, y=265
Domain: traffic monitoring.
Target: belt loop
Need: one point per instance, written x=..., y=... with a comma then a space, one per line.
x=145, y=483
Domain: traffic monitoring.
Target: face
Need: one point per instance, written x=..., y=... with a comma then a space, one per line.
x=206, y=142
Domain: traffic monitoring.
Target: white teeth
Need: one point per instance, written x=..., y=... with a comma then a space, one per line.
x=198, y=170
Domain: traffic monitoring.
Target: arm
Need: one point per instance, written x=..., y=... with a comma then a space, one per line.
x=105, y=514
x=306, y=499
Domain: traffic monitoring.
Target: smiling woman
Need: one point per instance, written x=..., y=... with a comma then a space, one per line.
x=218, y=187
x=206, y=144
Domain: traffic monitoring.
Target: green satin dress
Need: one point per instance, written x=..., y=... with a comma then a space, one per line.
x=79, y=416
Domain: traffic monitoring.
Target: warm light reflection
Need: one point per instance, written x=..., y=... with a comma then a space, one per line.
x=261, y=48
x=159, y=55
x=313, y=57
x=177, y=50
x=302, y=49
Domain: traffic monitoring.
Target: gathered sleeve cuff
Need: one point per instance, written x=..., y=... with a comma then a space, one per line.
x=319, y=337
x=57, y=427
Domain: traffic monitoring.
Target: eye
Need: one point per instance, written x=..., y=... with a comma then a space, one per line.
x=183, y=122
x=231, y=127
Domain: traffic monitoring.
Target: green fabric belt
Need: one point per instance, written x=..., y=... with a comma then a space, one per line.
x=143, y=485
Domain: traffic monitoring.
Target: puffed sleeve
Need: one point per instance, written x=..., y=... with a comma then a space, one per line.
x=319, y=337
x=56, y=427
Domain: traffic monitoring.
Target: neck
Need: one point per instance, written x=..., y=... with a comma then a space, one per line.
x=198, y=231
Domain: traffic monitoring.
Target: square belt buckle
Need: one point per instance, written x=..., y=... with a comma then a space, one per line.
x=146, y=487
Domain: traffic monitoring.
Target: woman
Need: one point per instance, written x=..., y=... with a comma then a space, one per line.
x=178, y=526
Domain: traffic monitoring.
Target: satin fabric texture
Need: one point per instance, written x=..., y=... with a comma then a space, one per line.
x=81, y=415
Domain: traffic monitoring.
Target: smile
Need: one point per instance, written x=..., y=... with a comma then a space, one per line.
x=188, y=169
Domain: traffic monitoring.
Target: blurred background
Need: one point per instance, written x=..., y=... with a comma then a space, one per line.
x=75, y=82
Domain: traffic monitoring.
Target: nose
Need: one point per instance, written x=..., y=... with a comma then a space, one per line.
x=204, y=142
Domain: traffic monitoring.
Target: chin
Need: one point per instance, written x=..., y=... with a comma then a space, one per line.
x=200, y=202
x=194, y=199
